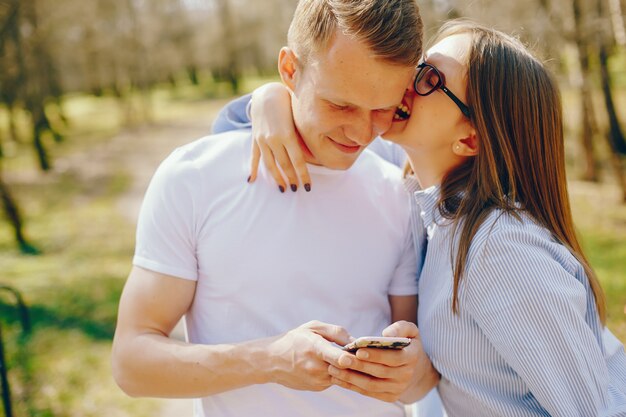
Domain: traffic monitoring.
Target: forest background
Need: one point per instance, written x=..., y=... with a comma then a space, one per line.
x=93, y=94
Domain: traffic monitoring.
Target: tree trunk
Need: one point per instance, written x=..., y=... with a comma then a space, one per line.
x=40, y=84
x=232, y=71
x=618, y=168
x=617, y=22
x=616, y=137
x=41, y=124
x=15, y=219
x=12, y=125
x=192, y=73
x=617, y=143
x=4, y=381
x=589, y=126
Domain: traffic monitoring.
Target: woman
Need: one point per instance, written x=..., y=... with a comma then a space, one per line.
x=511, y=313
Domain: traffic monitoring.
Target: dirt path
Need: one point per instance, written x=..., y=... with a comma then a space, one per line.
x=138, y=152
x=149, y=147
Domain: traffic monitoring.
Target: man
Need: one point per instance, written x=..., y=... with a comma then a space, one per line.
x=249, y=271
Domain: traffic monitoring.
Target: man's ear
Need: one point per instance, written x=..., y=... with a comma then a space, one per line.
x=288, y=67
x=467, y=146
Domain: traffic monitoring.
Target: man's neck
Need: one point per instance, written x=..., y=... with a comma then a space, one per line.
x=308, y=155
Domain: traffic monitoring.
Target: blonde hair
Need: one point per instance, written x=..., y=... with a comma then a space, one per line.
x=391, y=28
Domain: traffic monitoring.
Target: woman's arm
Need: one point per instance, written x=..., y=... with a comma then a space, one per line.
x=276, y=138
x=235, y=115
x=533, y=311
x=274, y=133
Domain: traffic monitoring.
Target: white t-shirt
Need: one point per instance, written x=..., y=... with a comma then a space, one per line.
x=267, y=262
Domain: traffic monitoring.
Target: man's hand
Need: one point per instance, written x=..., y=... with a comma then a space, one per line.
x=300, y=357
x=389, y=375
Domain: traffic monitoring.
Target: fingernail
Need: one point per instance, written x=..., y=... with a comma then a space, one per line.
x=307, y=187
x=281, y=188
x=249, y=176
x=294, y=187
x=363, y=354
x=345, y=361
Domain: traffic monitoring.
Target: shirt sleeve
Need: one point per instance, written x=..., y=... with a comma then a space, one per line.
x=404, y=280
x=236, y=115
x=533, y=310
x=165, y=240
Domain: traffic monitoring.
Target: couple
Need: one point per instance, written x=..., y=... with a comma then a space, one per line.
x=510, y=313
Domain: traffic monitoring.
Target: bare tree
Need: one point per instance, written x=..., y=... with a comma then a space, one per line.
x=582, y=35
x=39, y=77
x=9, y=29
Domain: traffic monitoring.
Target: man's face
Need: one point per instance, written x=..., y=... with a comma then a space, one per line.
x=342, y=98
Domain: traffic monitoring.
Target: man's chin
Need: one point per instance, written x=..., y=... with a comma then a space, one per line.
x=396, y=131
x=341, y=164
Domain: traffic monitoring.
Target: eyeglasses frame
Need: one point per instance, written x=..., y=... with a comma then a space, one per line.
x=441, y=85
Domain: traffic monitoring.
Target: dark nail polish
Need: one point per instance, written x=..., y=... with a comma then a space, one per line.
x=307, y=187
x=249, y=176
x=294, y=187
x=281, y=188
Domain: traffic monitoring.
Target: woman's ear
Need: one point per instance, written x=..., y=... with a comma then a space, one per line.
x=467, y=146
x=288, y=67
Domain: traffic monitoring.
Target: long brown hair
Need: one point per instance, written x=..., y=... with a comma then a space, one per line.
x=520, y=166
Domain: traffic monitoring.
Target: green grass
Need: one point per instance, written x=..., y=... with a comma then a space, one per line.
x=601, y=222
x=72, y=289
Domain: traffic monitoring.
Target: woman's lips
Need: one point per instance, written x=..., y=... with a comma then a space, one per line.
x=403, y=112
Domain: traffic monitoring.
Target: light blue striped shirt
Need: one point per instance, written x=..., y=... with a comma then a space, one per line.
x=527, y=340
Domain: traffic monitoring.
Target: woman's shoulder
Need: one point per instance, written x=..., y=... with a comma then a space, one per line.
x=518, y=236
x=515, y=261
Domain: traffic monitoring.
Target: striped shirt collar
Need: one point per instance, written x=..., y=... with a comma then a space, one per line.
x=426, y=200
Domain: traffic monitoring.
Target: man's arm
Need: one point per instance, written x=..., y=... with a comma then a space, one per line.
x=403, y=307
x=146, y=362
x=406, y=375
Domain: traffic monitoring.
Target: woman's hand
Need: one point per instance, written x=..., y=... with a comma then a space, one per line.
x=276, y=139
x=389, y=375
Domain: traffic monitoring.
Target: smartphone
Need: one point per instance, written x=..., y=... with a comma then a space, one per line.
x=377, y=342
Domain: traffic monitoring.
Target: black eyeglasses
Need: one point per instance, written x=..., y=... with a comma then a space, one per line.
x=429, y=79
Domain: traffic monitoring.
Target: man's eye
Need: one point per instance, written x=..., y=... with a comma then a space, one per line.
x=338, y=107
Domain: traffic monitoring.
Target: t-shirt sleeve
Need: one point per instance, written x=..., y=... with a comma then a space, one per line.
x=236, y=115
x=404, y=280
x=532, y=309
x=165, y=240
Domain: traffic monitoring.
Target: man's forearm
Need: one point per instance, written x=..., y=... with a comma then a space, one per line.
x=153, y=365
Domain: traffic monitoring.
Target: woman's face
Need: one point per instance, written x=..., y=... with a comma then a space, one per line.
x=436, y=122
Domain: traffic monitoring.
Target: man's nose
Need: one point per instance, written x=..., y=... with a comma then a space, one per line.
x=364, y=128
